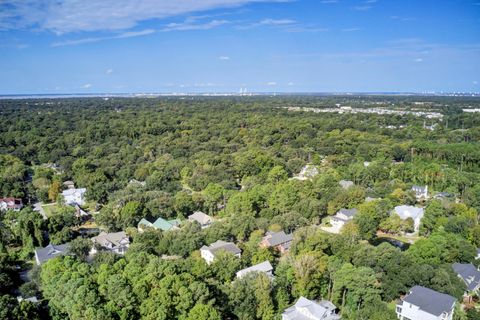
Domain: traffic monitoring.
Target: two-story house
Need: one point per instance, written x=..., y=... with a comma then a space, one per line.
x=117, y=242
x=426, y=304
x=264, y=267
x=74, y=196
x=305, y=309
x=208, y=253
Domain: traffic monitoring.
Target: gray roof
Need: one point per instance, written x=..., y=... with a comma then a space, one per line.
x=348, y=212
x=200, y=217
x=220, y=245
x=51, y=251
x=306, y=309
x=277, y=238
x=430, y=300
x=469, y=274
x=419, y=188
x=405, y=212
x=261, y=267
x=112, y=240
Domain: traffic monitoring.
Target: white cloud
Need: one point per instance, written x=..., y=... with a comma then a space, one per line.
x=65, y=16
x=272, y=83
x=475, y=82
x=418, y=60
x=291, y=84
x=109, y=71
x=224, y=58
x=350, y=29
x=306, y=29
x=362, y=8
x=276, y=22
x=86, y=86
x=191, y=24
x=123, y=35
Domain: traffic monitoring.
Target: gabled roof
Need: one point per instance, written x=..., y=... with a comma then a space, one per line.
x=469, y=274
x=419, y=188
x=277, y=238
x=306, y=309
x=51, y=251
x=261, y=267
x=200, y=217
x=430, y=301
x=348, y=212
x=71, y=192
x=405, y=212
x=220, y=245
x=160, y=223
x=116, y=239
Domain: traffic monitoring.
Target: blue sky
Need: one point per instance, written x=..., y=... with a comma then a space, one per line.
x=119, y=46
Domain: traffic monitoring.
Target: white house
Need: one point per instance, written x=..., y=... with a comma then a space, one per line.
x=426, y=304
x=117, y=242
x=209, y=253
x=421, y=192
x=74, y=196
x=405, y=212
x=264, y=267
x=342, y=217
x=306, y=309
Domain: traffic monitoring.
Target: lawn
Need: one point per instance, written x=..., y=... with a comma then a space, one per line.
x=50, y=209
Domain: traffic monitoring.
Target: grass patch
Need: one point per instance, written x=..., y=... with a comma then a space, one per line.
x=50, y=209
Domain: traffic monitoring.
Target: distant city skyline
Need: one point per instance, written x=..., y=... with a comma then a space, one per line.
x=194, y=46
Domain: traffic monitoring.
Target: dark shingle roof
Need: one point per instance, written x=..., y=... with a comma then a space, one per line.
x=430, y=300
x=277, y=238
x=51, y=251
x=348, y=212
x=469, y=274
x=220, y=245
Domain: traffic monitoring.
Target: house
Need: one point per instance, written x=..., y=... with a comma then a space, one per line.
x=469, y=274
x=74, y=196
x=117, y=242
x=405, y=212
x=443, y=196
x=209, y=253
x=421, y=192
x=11, y=204
x=69, y=184
x=308, y=172
x=160, y=223
x=264, y=267
x=32, y=299
x=342, y=217
x=305, y=309
x=51, y=251
x=203, y=219
x=137, y=183
x=278, y=240
x=425, y=304
x=345, y=184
